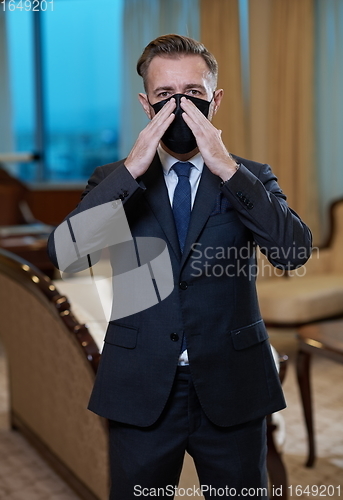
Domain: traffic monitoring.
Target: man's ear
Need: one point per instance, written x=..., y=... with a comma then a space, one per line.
x=217, y=99
x=143, y=99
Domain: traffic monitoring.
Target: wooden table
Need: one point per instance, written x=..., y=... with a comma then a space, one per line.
x=31, y=248
x=324, y=339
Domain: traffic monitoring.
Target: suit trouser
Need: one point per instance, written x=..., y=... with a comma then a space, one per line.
x=146, y=462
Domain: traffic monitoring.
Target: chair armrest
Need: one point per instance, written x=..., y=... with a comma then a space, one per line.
x=320, y=262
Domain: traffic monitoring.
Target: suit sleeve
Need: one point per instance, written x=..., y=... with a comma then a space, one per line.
x=262, y=207
x=98, y=220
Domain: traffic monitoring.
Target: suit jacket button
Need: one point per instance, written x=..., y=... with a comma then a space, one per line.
x=174, y=337
x=183, y=285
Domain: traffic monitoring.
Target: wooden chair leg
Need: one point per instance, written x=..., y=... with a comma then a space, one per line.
x=276, y=468
x=303, y=375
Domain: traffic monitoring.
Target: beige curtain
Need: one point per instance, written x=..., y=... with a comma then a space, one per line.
x=290, y=105
x=219, y=28
x=279, y=126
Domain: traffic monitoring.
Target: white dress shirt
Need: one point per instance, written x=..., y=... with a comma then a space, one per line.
x=171, y=179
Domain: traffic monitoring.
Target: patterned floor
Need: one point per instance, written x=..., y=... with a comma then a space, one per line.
x=327, y=378
x=24, y=476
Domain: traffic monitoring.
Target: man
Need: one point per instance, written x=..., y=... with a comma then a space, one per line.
x=195, y=371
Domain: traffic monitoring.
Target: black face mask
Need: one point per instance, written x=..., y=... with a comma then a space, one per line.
x=178, y=137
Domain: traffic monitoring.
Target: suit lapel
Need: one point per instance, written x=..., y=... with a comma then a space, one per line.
x=203, y=205
x=157, y=197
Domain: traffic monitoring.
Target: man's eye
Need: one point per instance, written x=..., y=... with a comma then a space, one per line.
x=163, y=94
x=194, y=92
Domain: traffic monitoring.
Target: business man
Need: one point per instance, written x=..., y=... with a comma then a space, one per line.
x=195, y=371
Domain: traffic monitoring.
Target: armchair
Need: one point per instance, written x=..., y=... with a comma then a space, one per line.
x=311, y=293
x=52, y=360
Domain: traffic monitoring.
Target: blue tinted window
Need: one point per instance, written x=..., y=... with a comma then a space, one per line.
x=81, y=48
x=20, y=55
x=82, y=67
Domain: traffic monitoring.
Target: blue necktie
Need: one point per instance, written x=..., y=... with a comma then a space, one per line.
x=182, y=200
x=182, y=208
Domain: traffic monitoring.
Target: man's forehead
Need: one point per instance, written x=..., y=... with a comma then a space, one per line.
x=186, y=68
x=195, y=61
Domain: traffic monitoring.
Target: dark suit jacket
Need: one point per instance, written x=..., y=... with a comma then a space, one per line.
x=214, y=300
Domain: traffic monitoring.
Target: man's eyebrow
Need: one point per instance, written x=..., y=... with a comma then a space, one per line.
x=165, y=87
x=187, y=86
x=195, y=86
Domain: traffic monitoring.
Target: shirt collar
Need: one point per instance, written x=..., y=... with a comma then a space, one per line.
x=168, y=160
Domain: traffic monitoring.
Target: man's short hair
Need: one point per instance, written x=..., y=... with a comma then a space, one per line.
x=172, y=46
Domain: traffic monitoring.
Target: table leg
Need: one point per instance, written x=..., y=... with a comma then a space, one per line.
x=303, y=375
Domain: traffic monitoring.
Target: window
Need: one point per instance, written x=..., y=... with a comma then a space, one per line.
x=21, y=68
x=79, y=54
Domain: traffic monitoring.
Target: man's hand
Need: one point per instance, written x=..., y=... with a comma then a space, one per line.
x=145, y=147
x=209, y=141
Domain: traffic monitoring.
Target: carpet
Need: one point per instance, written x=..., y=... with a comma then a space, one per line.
x=25, y=476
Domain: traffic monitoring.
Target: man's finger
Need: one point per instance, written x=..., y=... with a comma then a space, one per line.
x=159, y=124
x=166, y=109
x=190, y=108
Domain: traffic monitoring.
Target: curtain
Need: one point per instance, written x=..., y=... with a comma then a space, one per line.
x=329, y=102
x=143, y=21
x=220, y=34
x=290, y=105
x=259, y=33
x=276, y=124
